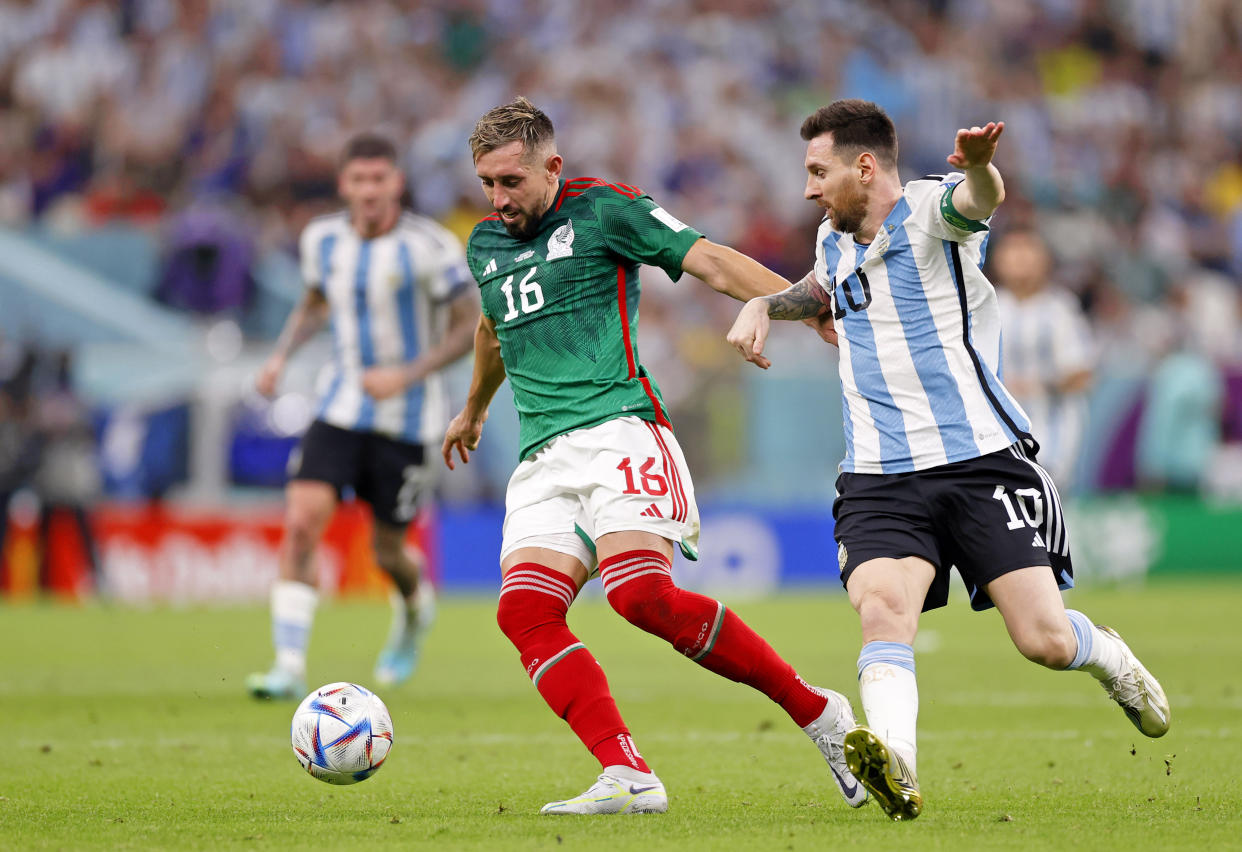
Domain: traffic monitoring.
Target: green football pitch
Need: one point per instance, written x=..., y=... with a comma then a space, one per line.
x=127, y=729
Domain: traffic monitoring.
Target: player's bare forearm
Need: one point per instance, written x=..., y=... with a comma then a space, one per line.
x=308, y=317
x=978, y=196
x=729, y=271
x=983, y=190
x=463, y=433
x=797, y=302
x=457, y=341
x=385, y=382
x=489, y=370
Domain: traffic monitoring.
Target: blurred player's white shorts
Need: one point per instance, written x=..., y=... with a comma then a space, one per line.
x=625, y=474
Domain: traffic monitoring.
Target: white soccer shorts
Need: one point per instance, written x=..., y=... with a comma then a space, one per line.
x=624, y=474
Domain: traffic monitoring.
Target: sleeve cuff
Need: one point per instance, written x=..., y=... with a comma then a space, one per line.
x=954, y=218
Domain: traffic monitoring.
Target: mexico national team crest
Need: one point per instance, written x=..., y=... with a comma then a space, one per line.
x=561, y=243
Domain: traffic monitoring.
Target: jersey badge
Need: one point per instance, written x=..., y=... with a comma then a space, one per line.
x=669, y=220
x=843, y=555
x=561, y=243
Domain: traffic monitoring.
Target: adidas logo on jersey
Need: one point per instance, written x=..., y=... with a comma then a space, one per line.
x=490, y=268
x=651, y=511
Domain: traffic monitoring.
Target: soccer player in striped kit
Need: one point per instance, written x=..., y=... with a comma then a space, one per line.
x=1047, y=350
x=602, y=485
x=397, y=292
x=940, y=466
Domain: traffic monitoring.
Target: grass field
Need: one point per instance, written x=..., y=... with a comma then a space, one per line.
x=128, y=729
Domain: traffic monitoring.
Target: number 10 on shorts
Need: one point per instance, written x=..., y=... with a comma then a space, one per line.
x=1033, y=516
x=653, y=484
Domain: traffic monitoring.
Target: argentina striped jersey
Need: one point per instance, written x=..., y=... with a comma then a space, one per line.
x=388, y=300
x=919, y=334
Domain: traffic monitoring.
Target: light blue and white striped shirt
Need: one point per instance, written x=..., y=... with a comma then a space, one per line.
x=389, y=302
x=919, y=334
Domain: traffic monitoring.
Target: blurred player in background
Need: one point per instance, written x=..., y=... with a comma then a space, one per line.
x=602, y=485
x=396, y=290
x=940, y=466
x=1046, y=349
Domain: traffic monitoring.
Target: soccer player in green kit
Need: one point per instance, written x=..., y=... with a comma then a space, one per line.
x=557, y=265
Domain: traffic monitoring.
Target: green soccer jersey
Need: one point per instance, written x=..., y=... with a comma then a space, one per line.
x=565, y=305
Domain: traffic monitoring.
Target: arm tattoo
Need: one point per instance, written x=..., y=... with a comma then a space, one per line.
x=801, y=301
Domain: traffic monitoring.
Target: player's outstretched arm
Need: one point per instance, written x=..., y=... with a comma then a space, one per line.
x=489, y=372
x=383, y=382
x=730, y=272
x=978, y=196
x=307, y=318
x=801, y=301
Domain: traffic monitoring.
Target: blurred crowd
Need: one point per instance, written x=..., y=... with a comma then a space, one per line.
x=1123, y=144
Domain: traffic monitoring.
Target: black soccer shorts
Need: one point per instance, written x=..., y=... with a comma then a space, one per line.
x=391, y=475
x=985, y=516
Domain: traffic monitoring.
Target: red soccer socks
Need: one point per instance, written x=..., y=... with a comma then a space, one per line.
x=639, y=586
x=533, y=602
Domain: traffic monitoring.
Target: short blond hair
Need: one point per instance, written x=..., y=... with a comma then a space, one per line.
x=517, y=121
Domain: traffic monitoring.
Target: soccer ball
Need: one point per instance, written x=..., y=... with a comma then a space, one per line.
x=342, y=733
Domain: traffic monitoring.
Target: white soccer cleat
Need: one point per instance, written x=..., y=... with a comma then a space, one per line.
x=276, y=684
x=883, y=772
x=399, y=658
x=1138, y=693
x=612, y=795
x=828, y=733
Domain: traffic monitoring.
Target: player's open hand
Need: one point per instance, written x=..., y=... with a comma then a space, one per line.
x=383, y=382
x=463, y=434
x=749, y=332
x=974, y=147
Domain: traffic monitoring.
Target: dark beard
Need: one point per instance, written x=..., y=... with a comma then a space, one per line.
x=849, y=225
x=523, y=232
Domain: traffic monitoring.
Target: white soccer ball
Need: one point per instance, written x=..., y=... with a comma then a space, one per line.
x=342, y=733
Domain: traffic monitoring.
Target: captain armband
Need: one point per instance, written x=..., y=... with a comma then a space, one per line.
x=954, y=218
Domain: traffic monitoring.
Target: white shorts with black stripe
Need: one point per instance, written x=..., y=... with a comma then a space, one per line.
x=624, y=474
x=985, y=516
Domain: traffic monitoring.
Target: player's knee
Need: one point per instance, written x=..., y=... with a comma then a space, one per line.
x=302, y=530
x=389, y=555
x=520, y=615
x=512, y=618
x=643, y=602
x=504, y=617
x=1050, y=647
x=884, y=603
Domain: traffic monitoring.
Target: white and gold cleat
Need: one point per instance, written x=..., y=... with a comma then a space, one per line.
x=1138, y=693
x=883, y=772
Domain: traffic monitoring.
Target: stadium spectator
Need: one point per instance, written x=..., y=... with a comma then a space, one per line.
x=1125, y=138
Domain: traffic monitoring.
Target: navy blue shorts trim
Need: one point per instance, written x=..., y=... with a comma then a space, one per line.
x=986, y=517
x=390, y=475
